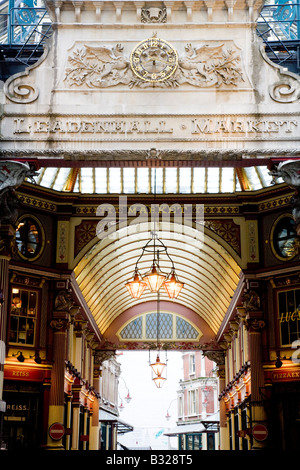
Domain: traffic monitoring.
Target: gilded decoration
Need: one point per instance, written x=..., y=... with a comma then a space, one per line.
x=226, y=229
x=205, y=65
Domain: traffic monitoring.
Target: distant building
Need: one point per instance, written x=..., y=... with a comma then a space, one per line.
x=198, y=419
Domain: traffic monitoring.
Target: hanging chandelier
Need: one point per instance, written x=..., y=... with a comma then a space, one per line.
x=154, y=279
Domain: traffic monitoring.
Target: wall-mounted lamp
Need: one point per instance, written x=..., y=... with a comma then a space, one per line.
x=36, y=357
x=19, y=356
x=278, y=362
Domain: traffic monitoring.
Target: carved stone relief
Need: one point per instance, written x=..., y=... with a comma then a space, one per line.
x=12, y=175
x=203, y=66
x=154, y=15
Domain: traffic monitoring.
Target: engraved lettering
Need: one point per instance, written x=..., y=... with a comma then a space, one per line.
x=19, y=128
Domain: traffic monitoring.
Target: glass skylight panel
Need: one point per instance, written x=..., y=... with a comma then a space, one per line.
x=143, y=180
x=227, y=180
x=213, y=180
x=265, y=177
x=115, y=180
x=129, y=180
x=48, y=177
x=159, y=180
x=101, y=180
x=86, y=180
x=171, y=180
x=253, y=178
x=185, y=175
x=76, y=185
x=237, y=183
x=61, y=179
x=199, y=180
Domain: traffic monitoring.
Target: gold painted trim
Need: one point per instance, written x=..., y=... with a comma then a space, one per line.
x=43, y=241
x=282, y=258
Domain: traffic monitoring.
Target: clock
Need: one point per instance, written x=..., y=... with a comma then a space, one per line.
x=154, y=60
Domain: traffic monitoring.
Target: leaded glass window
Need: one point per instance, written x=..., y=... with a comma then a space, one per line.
x=133, y=330
x=171, y=327
x=165, y=325
x=185, y=330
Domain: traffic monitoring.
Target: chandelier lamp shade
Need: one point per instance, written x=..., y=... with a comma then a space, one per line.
x=172, y=285
x=154, y=278
x=137, y=286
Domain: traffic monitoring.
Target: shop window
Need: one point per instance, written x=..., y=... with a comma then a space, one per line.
x=181, y=442
x=289, y=316
x=283, y=235
x=23, y=314
x=211, y=441
x=29, y=238
x=193, y=441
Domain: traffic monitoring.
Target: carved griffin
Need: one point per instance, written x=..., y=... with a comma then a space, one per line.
x=97, y=66
x=208, y=65
x=289, y=171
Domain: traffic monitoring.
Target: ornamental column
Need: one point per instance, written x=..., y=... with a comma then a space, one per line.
x=255, y=327
x=59, y=325
x=79, y=329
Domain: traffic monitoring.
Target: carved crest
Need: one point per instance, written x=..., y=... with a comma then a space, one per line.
x=154, y=15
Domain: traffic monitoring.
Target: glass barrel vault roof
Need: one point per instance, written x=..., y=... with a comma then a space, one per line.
x=183, y=180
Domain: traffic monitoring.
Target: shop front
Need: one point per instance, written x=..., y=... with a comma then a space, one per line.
x=25, y=398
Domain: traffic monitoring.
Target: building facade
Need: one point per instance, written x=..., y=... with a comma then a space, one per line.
x=197, y=403
x=136, y=114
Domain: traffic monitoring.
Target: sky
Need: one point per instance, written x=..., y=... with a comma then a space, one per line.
x=149, y=405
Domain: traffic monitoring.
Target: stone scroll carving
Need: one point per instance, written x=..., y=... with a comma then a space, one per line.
x=20, y=87
x=203, y=66
x=287, y=89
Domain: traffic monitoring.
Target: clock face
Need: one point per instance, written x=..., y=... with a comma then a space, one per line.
x=153, y=60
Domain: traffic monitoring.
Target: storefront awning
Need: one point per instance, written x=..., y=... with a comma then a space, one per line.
x=106, y=417
x=209, y=424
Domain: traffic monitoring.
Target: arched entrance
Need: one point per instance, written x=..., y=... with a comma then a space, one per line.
x=208, y=270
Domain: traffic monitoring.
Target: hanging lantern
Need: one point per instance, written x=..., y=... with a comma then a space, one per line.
x=154, y=279
x=159, y=381
x=128, y=398
x=173, y=286
x=136, y=287
x=158, y=366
